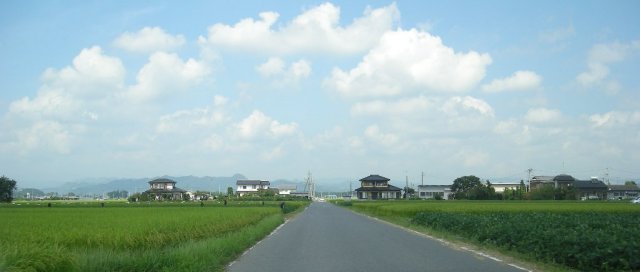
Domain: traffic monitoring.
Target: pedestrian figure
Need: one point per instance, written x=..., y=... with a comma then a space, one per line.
x=102, y=204
x=201, y=203
x=262, y=203
x=282, y=205
x=225, y=202
x=49, y=204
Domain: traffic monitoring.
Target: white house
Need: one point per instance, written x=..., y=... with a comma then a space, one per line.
x=250, y=186
x=430, y=191
x=499, y=187
x=286, y=189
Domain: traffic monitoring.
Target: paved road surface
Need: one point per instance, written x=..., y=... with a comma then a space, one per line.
x=329, y=238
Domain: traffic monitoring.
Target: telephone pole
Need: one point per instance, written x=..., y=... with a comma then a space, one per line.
x=422, y=181
x=529, y=170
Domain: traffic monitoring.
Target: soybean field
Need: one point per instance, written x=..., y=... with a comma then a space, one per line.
x=588, y=236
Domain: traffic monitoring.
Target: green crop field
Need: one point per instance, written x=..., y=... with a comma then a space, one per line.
x=588, y=236
x=83, y=236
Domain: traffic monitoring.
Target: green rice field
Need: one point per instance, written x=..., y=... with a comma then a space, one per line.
x=168, y=236
x=587, y=236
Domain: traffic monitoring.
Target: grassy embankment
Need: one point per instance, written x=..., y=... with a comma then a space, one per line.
x=168, y=236
x=588, y=236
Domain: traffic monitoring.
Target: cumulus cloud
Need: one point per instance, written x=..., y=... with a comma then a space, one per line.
x=542, y=116
x=374, y=133
x=615, y=119
x=149, y=39
x=166, y=73
x=520, y=80
x=406, y=106
x=315, y=30
x=601, y=57
x=47, y=136
x=92, y=73
x=276, y=68
x=259, y=125
x=185, y=121
x=406, y=60
x=458, y=104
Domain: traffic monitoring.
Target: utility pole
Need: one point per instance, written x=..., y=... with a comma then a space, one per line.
x=422, y=183
x=529, y=170
x=406, y=188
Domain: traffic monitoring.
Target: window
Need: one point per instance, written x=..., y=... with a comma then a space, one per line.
x=423, y=193
x=253, y=186
x=244, y=187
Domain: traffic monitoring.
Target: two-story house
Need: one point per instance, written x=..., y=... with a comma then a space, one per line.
x=164, y=188
x=251, y=186
x=377, y=187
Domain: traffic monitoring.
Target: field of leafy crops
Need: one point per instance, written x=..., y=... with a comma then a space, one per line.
x=84, y=236
x=588, y=236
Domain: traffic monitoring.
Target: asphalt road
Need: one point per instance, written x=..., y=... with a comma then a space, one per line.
x=329, y=238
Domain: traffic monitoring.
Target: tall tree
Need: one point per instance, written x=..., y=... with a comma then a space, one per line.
x=630, y=183
x=7, y=186
x=462, y=186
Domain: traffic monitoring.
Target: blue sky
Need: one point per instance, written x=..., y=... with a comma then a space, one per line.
x=343, y=89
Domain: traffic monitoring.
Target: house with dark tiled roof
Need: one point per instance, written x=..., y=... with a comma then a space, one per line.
x=245, y=187
x=623, y=192
x=377, y=187
x=164, y=188
x=590, y=189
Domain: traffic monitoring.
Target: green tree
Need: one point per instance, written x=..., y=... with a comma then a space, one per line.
x=466, y=186
x=229, y=191
x=630, y=183
x=7, y=186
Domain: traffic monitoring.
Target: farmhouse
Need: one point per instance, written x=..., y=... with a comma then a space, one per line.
x=499, y=187
x=164, y=188
x=623, y=191
x=251, y=186
x=590, y=189
x=432, y=191
x=377, y=187
x=286, y=189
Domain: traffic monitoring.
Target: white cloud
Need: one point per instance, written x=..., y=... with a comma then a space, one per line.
x=276, y=68
x=520, y=80
x=44, y=136
x=542, y=116
x=259, y=125
x=373, y=133
x=315, y=30
x=407, y=61
x=92, y=74
x=557, y=35
x=615, y=119
x=166, y=73
x=407, y=106
x=457, y=105
x=148, y=40
x=186, y=121
x=50, y=103
x=601, y=56
x=272, y=154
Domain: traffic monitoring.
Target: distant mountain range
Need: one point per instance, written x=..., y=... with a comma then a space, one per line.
x=190, y=183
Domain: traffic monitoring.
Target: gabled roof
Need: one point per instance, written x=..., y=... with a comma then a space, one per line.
x=434, y=185
x=623, y=188
x=379, y=189
x=286, y=187
x=542, y=178
x=252, y=182
x=174, y=190
x=374, y=178
x=590, y=184
x=162, y=180
x=563, y=177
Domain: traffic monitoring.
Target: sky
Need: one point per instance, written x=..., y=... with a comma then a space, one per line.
x=274, y=89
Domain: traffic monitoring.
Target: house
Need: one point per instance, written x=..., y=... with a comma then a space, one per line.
x=499, y=187
x=286, y=189
x=623, y=192
x=377, y=187
x=164, y=188
x=431, y=191
x=559, y=181
x=251, y=186
x=590, y=189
